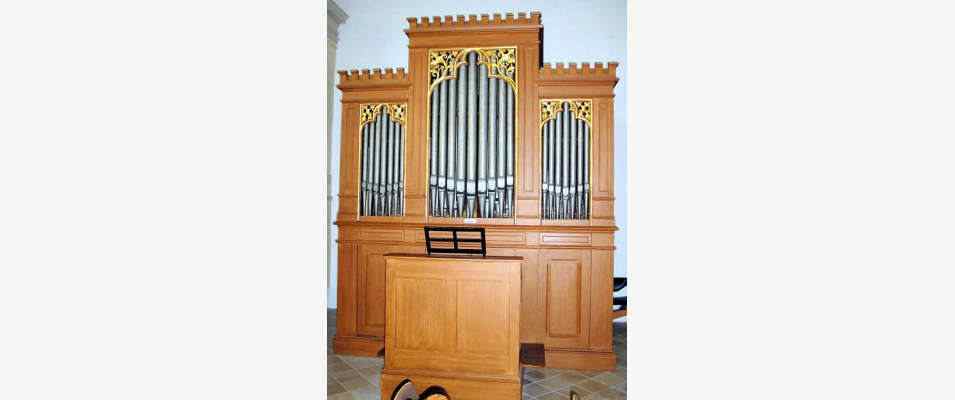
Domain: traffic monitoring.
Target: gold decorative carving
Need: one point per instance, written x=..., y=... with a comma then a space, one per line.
x=501, y=63
x=370, y=112
x=582, y=109
x=398, y=112
x=443, y=64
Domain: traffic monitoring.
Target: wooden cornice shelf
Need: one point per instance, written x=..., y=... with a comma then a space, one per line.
x=508, y=227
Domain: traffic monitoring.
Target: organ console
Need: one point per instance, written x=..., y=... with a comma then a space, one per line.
x=478, y=131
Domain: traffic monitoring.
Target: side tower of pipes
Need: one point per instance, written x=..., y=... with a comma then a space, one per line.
x=565, y=159
x=381, y=192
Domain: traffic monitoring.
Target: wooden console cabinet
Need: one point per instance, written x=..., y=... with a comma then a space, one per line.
x=454, y=322
x=478, y=132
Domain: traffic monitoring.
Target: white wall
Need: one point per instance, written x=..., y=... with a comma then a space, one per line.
x=574, y=31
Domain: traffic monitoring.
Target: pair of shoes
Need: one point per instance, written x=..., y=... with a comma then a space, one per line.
x=406, y=391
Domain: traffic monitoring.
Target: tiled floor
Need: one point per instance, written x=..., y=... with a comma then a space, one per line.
x=352, y=377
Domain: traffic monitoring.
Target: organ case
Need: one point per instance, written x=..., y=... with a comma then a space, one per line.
x=480, y=131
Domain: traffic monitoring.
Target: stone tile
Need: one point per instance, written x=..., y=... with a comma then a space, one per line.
x=341, y=396
x=554, y=383
x=334, y=387
x=609, y=378
x=607, y=394
x=578, y=389
x=370, y=372
x=369, y=393
x=533, y=375
x=621, y=387
x=354, y=383
x=363, y=362
x=592, y=385
x=550, y=372
x=561, y=395
x=535, y=390
x=570, y=377
x=336, y=364
x=342, y=374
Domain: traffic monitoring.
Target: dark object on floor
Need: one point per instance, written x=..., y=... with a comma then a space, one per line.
x=455, y=240
x=619, y=284
x=435, y=393
x=405, y=391
x=532, y=354
x=574, y=395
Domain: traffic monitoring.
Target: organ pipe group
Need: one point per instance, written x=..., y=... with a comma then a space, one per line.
x=382, y=162
x=565, y=175
x=472, y=144
x=472, y=148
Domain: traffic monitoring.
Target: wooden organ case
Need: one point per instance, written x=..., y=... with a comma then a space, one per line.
x=479, y=132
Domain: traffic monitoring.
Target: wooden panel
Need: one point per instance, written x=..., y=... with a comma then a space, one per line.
x=370, y=287
x=564, y=298
x=528, y=143
x=582, y=360
x=554, y=238
x=603, y=146
x=458, y=389
x=382, y=234
x=347, y=286
x=481, y=330
x=434, y=298
x=371, y=290
x=533, y=280
x=567, y=298
x=417, y=145
x=505, y=238
x=601, y=300
x=454, y=316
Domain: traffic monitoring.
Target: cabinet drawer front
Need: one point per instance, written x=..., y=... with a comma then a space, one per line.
x=512, y=238
x=390, y=235
x=553, y=238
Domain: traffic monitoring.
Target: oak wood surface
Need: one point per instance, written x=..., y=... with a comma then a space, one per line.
x=453, y=317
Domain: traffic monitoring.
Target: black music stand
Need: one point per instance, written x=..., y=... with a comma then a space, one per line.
x=455, y=241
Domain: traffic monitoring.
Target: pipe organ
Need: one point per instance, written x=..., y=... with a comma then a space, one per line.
x=479, y=130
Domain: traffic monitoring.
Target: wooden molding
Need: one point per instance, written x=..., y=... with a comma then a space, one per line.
x=473, y=21
x=372, y=78
x=585, y=72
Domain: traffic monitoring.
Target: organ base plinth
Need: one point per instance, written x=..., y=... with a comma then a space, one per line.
x=554, y=358
x=358, y=346
x=462, y=389
x=581, y=360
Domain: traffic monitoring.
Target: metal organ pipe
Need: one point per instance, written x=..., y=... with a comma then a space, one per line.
x=460, y=172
